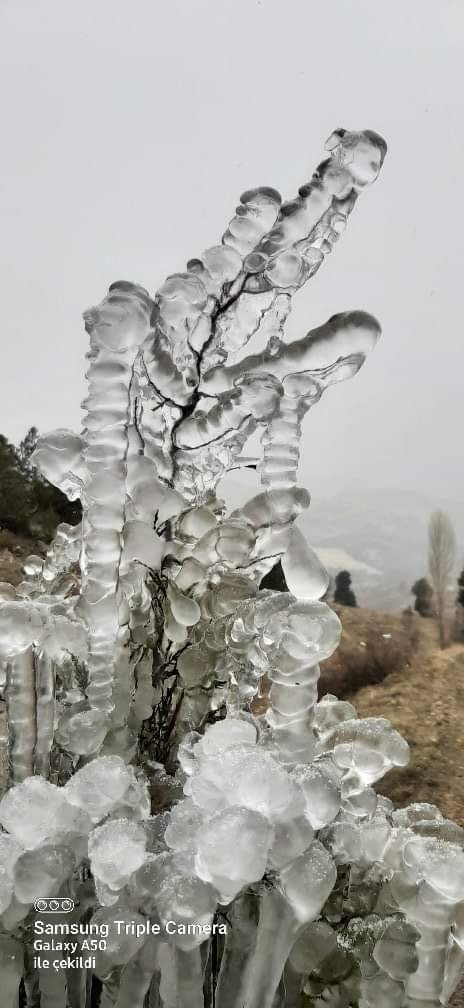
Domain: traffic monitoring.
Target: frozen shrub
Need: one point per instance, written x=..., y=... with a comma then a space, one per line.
x=137, y=693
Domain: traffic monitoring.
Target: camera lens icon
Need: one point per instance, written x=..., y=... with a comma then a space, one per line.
x=54, y=905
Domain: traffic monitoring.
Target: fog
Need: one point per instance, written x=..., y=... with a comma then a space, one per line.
x=129, y=131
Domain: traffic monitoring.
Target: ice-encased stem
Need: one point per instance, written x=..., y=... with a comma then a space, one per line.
x=20, y=696
x=117, y=329
x=281, y=446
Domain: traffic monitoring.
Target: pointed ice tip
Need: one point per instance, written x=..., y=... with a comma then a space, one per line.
x=378, y=142
x=260, y=193
x=359, y=320
x=364, y=319
x=334, y=139
x=127, y=287
x=374, y=138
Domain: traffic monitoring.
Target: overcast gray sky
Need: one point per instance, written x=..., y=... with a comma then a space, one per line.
x=129, y=129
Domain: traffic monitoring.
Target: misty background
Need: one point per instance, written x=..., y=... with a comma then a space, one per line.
x=129, y=131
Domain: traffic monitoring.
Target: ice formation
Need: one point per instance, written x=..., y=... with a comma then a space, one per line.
x=143, y=783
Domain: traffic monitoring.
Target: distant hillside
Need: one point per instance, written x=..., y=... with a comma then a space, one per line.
x=387, y=531
x=337, y=559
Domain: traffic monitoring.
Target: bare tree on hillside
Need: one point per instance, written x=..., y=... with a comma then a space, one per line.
x=442, y=552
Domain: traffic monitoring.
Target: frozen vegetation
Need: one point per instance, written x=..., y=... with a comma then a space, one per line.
x=142, y=782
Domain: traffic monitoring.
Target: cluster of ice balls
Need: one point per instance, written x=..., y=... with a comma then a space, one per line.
x=244, y=814
x=63, y=826
x=247, y=817
x=237, y=784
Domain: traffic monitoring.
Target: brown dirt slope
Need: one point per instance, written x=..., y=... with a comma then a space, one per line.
x=423, y=697
x=391, y=666
x=424, y=700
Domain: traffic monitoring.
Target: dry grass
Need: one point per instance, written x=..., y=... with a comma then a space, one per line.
x=427, y=707
x=373, y=646
x=424, y=700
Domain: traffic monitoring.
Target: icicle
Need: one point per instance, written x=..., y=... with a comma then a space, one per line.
x=154, y=996
x=110, y=989
x=277, y=931
x=137, y=976
x=53, y=988
x=11, y=970
x=189, y=978
x=20, y=695
x=238, y=949
x=291, y=988
x=31, y=979
x=281, y=447
x=453, y=969
x=432, y=947
x=45, y=691
x=4, y=738
x=168, y=984
x=305, y=576
x=77, y=988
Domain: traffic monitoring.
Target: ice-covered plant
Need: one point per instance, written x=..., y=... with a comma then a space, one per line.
x=143, y=781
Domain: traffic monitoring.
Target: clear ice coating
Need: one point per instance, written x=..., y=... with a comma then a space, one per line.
x=167, y=755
